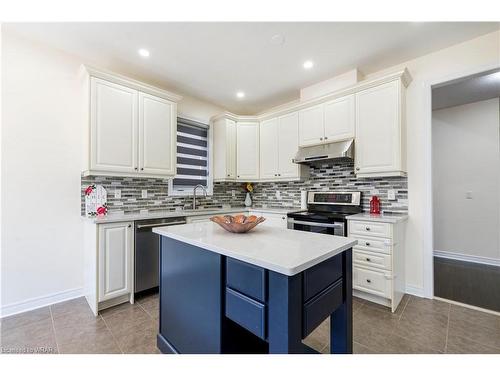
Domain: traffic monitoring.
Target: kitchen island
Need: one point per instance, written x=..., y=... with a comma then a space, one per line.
x=258, y=292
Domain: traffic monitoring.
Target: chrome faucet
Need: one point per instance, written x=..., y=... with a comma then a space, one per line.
x=194, y=194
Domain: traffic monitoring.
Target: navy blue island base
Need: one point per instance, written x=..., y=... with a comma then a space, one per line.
x=210, y=303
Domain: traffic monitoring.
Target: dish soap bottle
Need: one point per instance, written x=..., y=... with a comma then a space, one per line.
x=375, y=205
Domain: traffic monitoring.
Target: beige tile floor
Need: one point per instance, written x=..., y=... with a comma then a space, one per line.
x=418, y=326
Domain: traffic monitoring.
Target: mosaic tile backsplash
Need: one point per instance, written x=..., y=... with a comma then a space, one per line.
x=323, y=176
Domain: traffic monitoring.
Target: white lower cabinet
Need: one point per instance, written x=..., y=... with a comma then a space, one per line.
x=109, y=264
x=115, y=260
x=378, y=273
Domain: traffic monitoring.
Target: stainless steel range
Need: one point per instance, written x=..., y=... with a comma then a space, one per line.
x=326, y=212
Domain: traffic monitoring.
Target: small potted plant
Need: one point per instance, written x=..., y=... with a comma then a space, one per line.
x=248, y=187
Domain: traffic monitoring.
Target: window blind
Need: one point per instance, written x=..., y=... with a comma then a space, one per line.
x=192, y=155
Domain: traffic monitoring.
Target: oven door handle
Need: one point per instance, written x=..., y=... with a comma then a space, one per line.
x=313, y=224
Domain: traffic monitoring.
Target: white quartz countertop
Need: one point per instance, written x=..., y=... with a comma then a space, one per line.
x=159, y=214
x=382, y=218
x=277, y=249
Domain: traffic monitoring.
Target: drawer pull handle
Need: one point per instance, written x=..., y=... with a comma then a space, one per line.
x=367, y=243
x=368, y=260
x=368, y=281
x=367, y=228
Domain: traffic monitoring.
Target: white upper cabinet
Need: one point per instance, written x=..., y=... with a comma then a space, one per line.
x=327, y=122
x=269, y=149
x=279, y=142
x=247, y=150
x=224, y=149
x=311, y=126
x=371, y=113
x=113, y=127
x=339, y=117
x=380, y=131
x=157, y=135
x=288, y=144
x=132, y=127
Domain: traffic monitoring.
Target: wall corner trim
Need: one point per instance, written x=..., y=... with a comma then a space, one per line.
x=415, y=290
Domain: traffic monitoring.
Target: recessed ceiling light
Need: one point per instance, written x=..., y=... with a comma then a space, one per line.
x=143, y=52
x=308, y=64
x=240, y=94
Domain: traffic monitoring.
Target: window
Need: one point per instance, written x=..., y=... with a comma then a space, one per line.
x=193, y=158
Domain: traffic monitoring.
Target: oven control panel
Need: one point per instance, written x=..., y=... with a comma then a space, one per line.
x=351, y=198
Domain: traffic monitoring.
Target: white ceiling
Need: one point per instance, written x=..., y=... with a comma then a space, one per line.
x=212, y=61
x=471, y=89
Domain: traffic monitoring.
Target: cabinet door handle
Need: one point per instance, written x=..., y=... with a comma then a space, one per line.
x=368, y=281
x=367, y=243
x=368, y=229
x=130, y=225
x=238, y=176
x=326, y=138
x=142, y=169
x=283, y=217
x=136, y=168
x=228, y=175
x=368, y=260
x=321, y=139
x=357, y=168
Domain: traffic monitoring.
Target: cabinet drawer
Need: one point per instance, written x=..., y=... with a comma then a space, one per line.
x=370, y=228
x=371, y=259
x=372, y=281
x=374, y=244
x=320, y=276
x=319, y=308
x=247, y=312
x=246, y=278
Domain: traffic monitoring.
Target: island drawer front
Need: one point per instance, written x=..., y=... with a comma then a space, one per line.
x=370, y=228
x=246, y=278
x=320, y=276
x=372, y=259
x=365, y=243
x=373, y=281
x=319, y=308
x=247, y=312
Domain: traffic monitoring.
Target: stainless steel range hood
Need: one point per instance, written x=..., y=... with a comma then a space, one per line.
x=329, y=151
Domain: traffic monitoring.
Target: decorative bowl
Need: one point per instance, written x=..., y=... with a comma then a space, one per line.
x=238, y=223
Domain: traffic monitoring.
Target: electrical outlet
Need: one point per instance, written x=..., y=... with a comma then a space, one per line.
x=391, y=194
x=118, y=194
x=233, y=193
x=144, y=193
x=468, y=195
x=278, y=194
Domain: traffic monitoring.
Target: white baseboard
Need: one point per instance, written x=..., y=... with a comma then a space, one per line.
x=35, y=303
x=472, y=307
x=467, y=258
x=415, y=291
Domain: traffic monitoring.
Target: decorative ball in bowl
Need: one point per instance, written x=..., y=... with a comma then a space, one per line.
x=238, y=223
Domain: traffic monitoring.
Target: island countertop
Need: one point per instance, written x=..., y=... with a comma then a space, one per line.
x=285, y=251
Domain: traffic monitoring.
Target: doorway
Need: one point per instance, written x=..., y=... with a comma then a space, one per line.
x=466, y=190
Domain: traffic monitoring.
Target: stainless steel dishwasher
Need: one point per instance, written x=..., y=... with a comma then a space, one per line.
x=147, y=251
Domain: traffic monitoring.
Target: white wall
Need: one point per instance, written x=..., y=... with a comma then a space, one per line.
x=41, y=145
x=479, y=53
x=466, y=158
